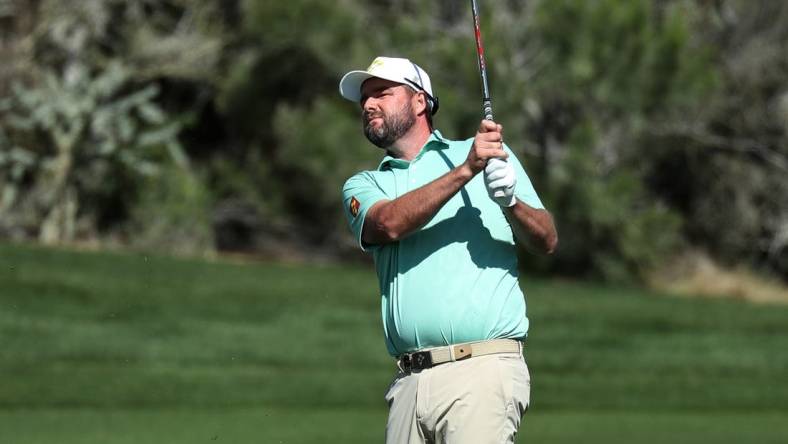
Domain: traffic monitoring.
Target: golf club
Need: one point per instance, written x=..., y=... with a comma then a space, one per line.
x=486, y=101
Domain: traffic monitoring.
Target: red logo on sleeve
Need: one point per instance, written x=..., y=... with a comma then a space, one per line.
x=354, y=206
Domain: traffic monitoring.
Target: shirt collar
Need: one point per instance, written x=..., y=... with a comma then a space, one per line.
x=435, y=141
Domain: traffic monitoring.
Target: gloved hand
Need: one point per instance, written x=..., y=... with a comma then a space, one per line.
x=499, y=178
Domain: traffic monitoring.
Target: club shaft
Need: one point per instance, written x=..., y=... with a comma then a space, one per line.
x=486, y=100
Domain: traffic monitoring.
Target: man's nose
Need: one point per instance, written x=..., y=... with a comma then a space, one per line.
x=370, y=104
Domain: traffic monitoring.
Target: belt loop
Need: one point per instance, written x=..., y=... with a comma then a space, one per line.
x=451, y=353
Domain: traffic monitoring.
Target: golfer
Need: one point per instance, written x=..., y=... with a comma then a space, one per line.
x=441, y=218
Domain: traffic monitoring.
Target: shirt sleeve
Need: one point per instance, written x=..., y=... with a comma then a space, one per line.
x=359, y=193
x=523, y=190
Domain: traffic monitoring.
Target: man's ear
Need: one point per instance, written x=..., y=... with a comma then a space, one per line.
x=421, y=101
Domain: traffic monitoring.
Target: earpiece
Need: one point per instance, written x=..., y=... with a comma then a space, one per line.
x=432, y=102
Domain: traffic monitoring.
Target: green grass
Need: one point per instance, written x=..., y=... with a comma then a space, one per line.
x=116, y=348
x=339, y=425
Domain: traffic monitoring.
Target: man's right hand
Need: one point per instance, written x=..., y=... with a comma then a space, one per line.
x=488, y=144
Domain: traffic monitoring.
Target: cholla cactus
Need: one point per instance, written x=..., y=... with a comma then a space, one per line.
x=61, y=129
x=78, y=112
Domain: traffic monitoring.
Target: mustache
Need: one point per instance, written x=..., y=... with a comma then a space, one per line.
x=369, y=116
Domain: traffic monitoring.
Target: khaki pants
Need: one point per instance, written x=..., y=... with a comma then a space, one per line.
x=478, y=400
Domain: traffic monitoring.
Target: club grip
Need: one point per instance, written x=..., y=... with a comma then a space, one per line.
x=487, y=108
x=488, y=115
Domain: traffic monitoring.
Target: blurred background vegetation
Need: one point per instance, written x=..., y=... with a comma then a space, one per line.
x=656, y=131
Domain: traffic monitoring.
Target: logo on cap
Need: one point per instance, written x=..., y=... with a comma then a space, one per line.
x=354, y=206
x=376, y=63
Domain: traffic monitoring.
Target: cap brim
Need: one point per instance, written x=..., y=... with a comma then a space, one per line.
x=350, y=85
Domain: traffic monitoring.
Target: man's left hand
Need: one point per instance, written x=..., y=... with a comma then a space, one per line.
x=499, y=177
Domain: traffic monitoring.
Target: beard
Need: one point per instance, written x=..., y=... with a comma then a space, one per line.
x=394, y=126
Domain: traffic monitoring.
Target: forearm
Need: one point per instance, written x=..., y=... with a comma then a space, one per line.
x=393, y=220
x=533, y=228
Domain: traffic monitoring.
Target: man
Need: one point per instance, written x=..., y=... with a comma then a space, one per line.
x=441, y=218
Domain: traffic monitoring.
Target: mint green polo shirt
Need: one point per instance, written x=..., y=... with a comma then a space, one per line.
x=454, y=280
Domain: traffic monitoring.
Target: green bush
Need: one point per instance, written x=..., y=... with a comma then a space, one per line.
x=172, y=212
x=609, y=226
x=315, y=168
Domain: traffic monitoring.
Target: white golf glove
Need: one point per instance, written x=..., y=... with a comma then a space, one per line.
x=499, y=178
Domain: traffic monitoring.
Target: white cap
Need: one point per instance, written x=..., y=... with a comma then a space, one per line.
x=389, y=68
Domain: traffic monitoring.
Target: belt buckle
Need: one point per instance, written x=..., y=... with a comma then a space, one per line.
x=421, y=360
x=415, y=361
x=406, y=363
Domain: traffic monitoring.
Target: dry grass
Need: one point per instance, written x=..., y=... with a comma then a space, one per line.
x=695, y=274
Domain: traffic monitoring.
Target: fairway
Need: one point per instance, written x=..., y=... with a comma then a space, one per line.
x=338, y=425
x=130, y=348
